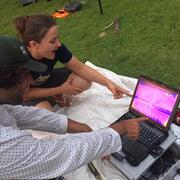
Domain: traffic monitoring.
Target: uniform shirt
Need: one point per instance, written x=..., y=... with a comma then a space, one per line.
x=25, y=157
x=62, y=55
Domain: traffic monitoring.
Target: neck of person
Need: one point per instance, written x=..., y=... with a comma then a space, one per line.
x=34, y=53
x=10, y=96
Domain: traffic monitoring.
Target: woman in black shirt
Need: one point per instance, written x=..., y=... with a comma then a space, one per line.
x=39, y=33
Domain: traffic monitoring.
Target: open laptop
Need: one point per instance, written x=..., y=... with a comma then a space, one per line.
x=159, y=103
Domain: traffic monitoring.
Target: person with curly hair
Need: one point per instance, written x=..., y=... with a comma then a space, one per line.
x=12, y=77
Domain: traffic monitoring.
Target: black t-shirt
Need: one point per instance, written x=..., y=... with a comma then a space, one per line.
x=62, y=55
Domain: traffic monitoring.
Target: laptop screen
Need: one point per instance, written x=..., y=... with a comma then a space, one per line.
x=154, y=100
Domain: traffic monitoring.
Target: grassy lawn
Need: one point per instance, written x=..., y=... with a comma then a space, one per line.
x=148, y=41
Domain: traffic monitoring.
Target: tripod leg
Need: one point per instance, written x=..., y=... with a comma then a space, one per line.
x=100, y=7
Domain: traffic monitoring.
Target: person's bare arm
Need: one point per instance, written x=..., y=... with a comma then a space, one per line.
x=90, y=74
x=76, y=127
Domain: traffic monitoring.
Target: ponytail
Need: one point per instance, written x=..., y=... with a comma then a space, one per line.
x=20, y=25
x=33, y=27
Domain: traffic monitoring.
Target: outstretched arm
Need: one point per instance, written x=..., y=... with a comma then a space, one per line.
x=90, y=74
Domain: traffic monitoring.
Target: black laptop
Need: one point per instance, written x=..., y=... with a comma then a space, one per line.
x=159, y=103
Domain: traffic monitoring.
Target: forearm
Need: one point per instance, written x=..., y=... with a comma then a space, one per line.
x=119, y=127
x=35, y=93
x=87, y=72
x=76, y=127
x=92, y=75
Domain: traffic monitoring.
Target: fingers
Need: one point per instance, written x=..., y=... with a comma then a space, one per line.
x=133, y=128
x=127, y=93
x=106, y=158
x=133, y=134
x=62, y=100
x=134, y=137
x=71, y=89
x=118, y=93
x=141, y=119
x=117, y=96
x=68, y=101
x=76, y=90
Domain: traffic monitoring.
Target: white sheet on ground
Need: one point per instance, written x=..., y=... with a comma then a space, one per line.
x=98, y=109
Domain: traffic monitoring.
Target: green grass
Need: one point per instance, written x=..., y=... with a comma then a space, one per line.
x=148, y=42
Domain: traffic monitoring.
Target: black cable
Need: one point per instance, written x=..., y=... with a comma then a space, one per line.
x=158, y=167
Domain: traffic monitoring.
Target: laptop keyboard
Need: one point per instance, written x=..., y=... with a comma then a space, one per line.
x=148, y=137
x=127, y=116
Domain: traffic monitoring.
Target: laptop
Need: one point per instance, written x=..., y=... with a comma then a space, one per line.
x=159, y=103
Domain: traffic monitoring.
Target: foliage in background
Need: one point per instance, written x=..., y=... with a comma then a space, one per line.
x=148, y=41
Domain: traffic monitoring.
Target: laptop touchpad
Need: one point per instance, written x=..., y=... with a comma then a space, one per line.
x=135, y=152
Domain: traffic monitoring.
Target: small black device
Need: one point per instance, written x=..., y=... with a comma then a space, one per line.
x=135, y=152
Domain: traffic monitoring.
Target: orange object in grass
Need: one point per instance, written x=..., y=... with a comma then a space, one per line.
x=60, y=14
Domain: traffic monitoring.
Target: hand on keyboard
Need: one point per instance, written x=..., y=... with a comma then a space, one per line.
x=130, y=127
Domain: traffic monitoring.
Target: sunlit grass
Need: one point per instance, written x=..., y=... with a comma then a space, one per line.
x=148, y=41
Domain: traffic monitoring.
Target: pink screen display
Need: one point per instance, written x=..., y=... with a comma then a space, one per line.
x=154, y=101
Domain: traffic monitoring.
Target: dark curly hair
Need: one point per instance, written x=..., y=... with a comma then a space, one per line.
x=10, y=76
